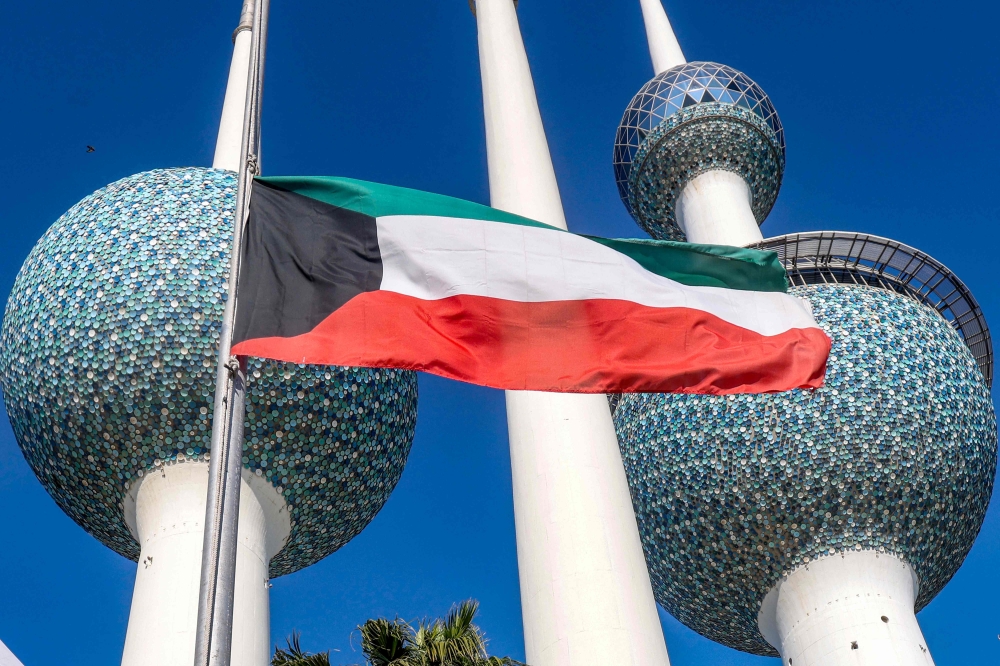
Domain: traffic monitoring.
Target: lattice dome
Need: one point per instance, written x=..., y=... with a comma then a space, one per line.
x=896, y=453
x=688, y=120
x=108, y=360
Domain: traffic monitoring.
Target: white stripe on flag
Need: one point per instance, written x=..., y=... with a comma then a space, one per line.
x=432, y=258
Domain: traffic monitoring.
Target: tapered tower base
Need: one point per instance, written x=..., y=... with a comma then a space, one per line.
x=849, y=609
x=166, y=512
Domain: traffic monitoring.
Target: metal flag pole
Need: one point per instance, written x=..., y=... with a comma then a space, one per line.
x=213, y=642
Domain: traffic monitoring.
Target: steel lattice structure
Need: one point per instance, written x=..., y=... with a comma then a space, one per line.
x=842, y=257
x=686, y=121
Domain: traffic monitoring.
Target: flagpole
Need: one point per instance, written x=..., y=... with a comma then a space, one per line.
x=213, y=643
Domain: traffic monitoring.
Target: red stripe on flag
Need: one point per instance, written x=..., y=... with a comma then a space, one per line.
x=589, y=346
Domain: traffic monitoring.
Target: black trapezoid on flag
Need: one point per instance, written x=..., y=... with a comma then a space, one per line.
x=302, y=260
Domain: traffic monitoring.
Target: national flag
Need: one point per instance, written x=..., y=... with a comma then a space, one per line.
x=338, y=271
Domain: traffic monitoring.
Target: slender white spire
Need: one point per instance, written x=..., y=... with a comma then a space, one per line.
x=663, y=46
x=522, y=179
x=7, y=657
x=230, y=141
x=586, y=598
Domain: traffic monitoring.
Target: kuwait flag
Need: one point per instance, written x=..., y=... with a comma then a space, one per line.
x=343, y=272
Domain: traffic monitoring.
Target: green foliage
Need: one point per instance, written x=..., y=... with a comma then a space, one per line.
x=294, y=656
x=388, y=643
x=453, y=641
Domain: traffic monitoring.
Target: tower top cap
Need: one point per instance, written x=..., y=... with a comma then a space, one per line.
x=472, y=6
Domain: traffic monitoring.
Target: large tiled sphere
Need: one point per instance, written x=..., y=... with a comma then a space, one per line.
x=108, y=361
x=896, y=454
x=693, y=118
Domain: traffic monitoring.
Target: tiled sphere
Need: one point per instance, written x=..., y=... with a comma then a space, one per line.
x=108, y=361
x=896, y=453
x=693, y=118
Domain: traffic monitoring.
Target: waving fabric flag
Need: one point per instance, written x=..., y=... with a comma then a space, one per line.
x=343, y=272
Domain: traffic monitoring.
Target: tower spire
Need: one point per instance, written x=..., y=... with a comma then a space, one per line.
x=522, y=178
x=664, y=49
x=586, y=597
x=230, y=139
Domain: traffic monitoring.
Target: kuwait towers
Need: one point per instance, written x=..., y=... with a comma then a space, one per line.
x=809, y=525
x=585, y=593
x=107, y=363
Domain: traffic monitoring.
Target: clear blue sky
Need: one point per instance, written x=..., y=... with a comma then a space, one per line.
x=890, y=111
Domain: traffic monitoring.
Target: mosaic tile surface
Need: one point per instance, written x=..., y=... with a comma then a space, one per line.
x=696, y=117
x=897, y=453
x=108, y=357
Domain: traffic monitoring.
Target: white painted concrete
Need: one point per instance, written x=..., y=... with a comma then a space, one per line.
x=664, y=49
x=7, y=657
x=586, y=598
x=230, y=139
x=522, y=179
x=165, y=510
x=850, y=609
x=715, y=208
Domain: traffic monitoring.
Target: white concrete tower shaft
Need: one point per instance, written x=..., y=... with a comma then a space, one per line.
x=230, y=139
x=848, y=609
x=715, y=207
x=166, y=512
x=586, y=598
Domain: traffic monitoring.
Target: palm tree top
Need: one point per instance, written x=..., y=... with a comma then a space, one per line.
x=453, y=641
x=293, y=655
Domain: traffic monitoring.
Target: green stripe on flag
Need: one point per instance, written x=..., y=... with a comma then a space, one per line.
x=382, y=200
x=687, y=263
x=704, y=265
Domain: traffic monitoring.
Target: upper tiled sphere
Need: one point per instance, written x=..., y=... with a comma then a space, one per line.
x=688, y=120
x=108, y=358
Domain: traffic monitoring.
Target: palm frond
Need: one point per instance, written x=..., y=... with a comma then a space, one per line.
x=452, y=641
x=293, y=655
x=460, y=617
x=499, y=661
x=388, y=643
